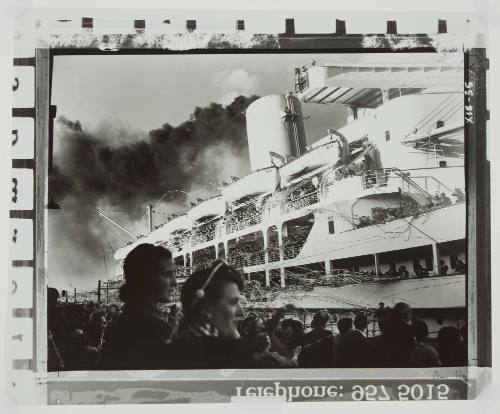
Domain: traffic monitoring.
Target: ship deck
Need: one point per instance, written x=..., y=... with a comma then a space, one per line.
x=431, y=292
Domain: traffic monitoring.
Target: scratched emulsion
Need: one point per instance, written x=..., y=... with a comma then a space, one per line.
x=179, y=41
x=123, y=394
x=443, y=43
x=394, y=42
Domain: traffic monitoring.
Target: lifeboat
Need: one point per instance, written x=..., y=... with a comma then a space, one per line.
x=212, y=207
x=315, y=158
x=263, y=181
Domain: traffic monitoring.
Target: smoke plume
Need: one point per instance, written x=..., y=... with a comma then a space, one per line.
x=92, y=170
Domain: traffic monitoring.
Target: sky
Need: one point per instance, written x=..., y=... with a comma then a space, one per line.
x=115, y=101
x=143, y=92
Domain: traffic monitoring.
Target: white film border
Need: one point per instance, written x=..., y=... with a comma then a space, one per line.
x=24, y=380
x=21, y=284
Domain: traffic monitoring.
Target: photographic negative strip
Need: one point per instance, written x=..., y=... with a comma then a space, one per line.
x=298, y=215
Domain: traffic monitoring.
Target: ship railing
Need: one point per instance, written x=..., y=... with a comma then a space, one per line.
x=251, y=257
x=334, y=180
x=242, y=218
x=432, y=185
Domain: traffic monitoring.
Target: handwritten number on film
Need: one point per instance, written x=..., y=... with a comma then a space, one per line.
x=15, y=137
x=14, y=190
x=14, y=236
x=14, y=284
x=469, y=115
x=16, y=84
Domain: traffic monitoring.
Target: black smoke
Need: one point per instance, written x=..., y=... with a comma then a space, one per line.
x=172, y=157
x=91, y=171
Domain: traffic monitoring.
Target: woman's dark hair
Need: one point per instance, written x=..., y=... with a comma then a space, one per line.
x=420, y=330
x=225, y=274
x=448, y=336
x=139, y=268
x=320, y=319
x=399, y=312
x=52, y=296
x=344, y=324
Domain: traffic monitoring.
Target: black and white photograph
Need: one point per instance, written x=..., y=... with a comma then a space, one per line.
x=249, y=206
x=257, y=210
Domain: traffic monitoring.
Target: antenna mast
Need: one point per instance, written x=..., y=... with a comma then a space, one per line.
x=115, y=223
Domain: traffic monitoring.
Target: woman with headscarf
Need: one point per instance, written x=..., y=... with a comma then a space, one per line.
x=207, y=336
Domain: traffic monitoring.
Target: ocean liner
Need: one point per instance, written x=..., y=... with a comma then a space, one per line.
x=372, y=212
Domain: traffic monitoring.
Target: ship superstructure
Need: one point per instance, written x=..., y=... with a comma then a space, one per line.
x=380, y=200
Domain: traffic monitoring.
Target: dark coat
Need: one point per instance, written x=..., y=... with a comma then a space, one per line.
x=207, y=352
x=401, y=342
x=317, y=349
x=138, y=339
x=354, y=351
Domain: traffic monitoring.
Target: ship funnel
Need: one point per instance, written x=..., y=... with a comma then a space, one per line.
x=274, y=125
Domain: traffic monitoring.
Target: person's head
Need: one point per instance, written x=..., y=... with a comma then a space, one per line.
x=149, y=274
x=215, y=291
x=320, y=319
x=420, y=330
x=425, y=357
x=402, y=312
x=78, y=338
x=245, y=324
x=360, y=321
x=447, y=337
x=52, y=296
x=251, y=326
x=344, y=325
x=261, y=342
x=297, y=327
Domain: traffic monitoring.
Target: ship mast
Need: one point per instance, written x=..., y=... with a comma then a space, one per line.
x=150, y=218
x=115, y=223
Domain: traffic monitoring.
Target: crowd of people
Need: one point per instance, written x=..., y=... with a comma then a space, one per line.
x=248, y=254
x=210, y=329
x=203, y=258
x=241, y=218
x=179, y=240
x=273, y=251
x=203, y=233
x=293, y=243
x=381, y=215
x=300, y=198
x=351, y=170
